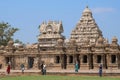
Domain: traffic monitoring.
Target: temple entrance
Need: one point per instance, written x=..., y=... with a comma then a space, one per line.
x=30, y=62
x=11, y=61
x=57, y=59
x=7, y=60
x=99, y=58
x=71, y=59
x=85, y=59
x=113, y=58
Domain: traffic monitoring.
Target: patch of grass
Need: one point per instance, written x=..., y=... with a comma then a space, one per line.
x=56, y=77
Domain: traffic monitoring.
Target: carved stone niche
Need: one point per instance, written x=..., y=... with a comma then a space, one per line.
x=100, y=41
x=73, y=41
x=60, y=42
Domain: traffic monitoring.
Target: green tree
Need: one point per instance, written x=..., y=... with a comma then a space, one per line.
x=6, y=33
x=18, y=41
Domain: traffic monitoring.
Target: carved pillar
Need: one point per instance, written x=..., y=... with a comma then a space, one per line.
x=108, y=60
x=94, y=60
x=39, y=62
x=68, y=59
x=26, y=62
x=12, y=62
x=35, y=65
x=118, y=61
x=104, y=61
x=90, y=61
x=3, y=61
x=74, y=58
x=81, y=59
x=62, y=61
x=55, y=59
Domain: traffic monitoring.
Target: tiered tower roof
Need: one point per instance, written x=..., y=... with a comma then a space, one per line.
x=52, y=29
x=86, y=29
x=49, y=33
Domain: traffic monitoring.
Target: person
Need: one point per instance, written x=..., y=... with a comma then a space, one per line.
x=76, y=67
x=22, y=68
x=44, y=69
x=8, y=68
x=0, y=66
x=100, y=70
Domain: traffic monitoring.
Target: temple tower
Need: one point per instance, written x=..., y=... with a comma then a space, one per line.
x=86, y=28
x=49, y=34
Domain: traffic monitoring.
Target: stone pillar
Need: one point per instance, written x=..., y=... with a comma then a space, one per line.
x=94, y=61
x=55, y=60
x=12, y=62
x=108, y=60
x=17, y=62
x=68, y=59
x=81, y=58
x=3, y=62
x=118, y=61
x=62, y=61
x=90, y=61
x=104, y=61
x=34, y=63
x=79, y=61
x=74, y=58
x=94, y=58
x=26, y=62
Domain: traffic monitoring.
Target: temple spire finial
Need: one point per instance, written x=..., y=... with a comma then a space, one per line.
x=87, y=10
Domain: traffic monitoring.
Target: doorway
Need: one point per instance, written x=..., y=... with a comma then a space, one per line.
x=10, y=60
x=30, y=62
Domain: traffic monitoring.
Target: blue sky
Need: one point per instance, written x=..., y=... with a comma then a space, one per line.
x=27, y=15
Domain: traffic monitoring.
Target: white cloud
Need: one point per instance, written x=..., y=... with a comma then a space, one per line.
x=103, y=10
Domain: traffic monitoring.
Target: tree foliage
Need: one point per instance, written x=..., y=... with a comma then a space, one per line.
x=6, y=33
x=18, y=41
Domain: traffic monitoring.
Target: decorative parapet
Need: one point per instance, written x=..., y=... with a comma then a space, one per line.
x=53, y=26
x=114, y=46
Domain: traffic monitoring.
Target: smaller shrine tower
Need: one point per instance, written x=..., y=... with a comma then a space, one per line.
x=49, y=34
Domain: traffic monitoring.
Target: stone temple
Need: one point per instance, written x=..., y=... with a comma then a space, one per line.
x=86, y=45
